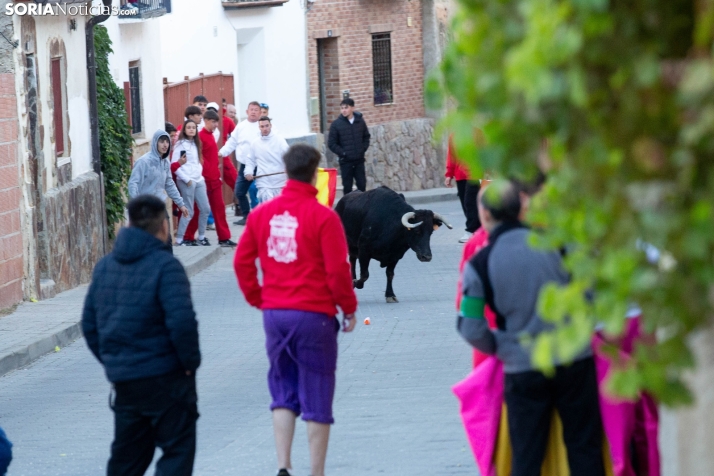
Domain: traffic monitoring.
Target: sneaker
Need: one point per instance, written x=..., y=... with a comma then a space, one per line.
x=210, y=227
x=204, y=242
x=284, y=472
x=467, y=236
x=241, y=222
x=227, y=243
x=189, y=243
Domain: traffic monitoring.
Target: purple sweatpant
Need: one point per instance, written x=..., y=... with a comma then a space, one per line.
x=302, y=349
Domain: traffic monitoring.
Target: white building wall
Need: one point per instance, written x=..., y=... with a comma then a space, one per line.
x=196, y=37
x=139, y=41
x=48, y=28
x=272, y=63
x=264, y=48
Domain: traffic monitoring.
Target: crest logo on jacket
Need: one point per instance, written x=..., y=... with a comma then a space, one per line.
x=282, y=246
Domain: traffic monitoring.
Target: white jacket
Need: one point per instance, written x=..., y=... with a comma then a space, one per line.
x=266, y=153
x=240, y=139
x=192, y=170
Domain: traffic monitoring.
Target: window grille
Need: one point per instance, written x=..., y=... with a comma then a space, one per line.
x=135, y=94
x=382, y=68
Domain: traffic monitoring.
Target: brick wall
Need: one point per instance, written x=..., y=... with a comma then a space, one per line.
x=11, y=264
x=351, y=22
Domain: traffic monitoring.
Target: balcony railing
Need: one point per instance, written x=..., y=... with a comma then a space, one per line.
x=138, y=10
x=232, y=4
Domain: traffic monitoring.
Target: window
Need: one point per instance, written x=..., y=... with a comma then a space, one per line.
x=382, y=68
x=59, y=108
x=135, y=97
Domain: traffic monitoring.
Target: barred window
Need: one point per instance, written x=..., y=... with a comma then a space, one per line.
x=135, y=97
x=382, y=68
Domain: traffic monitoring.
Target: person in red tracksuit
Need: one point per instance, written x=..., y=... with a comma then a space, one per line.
x=466, y=189
x=214, y=186
x=302, y=249
x=230, y=174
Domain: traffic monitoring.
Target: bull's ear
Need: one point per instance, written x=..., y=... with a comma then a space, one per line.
x=436, y=225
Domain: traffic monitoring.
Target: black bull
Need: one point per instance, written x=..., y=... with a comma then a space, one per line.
x=381, y=225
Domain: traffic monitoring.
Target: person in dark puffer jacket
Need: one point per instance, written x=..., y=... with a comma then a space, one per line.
x=139, y=322
x=349, y=139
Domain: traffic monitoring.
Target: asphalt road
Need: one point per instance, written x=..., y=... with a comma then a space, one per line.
x=394, y=410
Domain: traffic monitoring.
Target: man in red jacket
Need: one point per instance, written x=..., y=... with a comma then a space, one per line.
x=302, y=249
x=214, y=186
x=466, y=189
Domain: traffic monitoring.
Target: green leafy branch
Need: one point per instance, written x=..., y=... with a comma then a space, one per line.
x=617, y=100
x=115, y=139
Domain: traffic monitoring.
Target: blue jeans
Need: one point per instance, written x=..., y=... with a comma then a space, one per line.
x=241, y=191
x=253, y=194
x=5, y=453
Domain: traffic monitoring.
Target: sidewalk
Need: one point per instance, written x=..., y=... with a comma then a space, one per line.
x=38, y=328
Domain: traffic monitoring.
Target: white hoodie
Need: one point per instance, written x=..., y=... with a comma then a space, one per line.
x=240, y=139
x=192, y=170
x=266, y=153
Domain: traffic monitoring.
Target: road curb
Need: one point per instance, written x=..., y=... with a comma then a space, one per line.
x=440, y=197
x=64, y=335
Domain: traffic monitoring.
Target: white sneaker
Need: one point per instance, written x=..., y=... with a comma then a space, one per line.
x=467, y=236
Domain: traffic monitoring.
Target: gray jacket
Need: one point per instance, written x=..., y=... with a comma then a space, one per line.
x=515, y=273
x=152, y=174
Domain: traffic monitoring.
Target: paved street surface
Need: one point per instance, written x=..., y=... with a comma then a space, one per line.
x=394, y=410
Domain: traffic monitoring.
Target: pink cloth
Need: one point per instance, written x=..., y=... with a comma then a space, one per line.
x=625, y=421
x=481, y=397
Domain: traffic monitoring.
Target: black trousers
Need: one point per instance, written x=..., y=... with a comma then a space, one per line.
x=353, y=171
x=530, y=400
x=468, y=194
x=156, y=411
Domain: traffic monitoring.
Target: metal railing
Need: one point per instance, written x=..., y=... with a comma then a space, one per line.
x=143, y=9
x=251, y=3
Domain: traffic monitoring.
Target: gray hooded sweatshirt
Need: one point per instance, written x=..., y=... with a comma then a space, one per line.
x=152, y=174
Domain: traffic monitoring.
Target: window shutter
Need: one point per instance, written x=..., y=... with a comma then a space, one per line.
x=58, y=109
x=127, y=101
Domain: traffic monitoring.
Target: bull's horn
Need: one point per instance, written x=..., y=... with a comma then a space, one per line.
x=405, y=220
x=439, y=217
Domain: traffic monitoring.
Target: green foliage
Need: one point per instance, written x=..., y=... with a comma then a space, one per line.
x=617, y=99
x=115, y=139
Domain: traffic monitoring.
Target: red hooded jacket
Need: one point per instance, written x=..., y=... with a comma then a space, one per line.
x=302, y=249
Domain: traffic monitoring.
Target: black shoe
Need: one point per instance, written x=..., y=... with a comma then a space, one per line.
x=204, y=242
x=236, y=211
x=227, y=243
x=284, y=472
x=241, y=222
x=189, y=243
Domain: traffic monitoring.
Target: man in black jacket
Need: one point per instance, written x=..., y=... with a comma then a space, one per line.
x=349, y=139
x=139, y=322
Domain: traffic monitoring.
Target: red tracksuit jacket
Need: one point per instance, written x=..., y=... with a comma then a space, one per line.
x=303, y=254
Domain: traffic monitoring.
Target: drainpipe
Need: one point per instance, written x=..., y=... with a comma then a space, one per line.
x=94, y=113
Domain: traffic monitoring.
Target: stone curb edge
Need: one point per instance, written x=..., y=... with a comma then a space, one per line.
x=442, y=197
x=26, y=354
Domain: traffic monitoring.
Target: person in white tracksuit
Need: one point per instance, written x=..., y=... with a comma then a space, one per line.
x=266, y=157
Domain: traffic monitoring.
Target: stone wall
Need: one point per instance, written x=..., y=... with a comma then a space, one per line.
x=72, y=217
x=403, y=157
x=686, y=438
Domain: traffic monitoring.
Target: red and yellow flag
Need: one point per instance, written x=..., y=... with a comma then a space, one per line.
x=326, y=186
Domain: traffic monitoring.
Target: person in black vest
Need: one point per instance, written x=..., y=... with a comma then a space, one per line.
x=349, y=139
